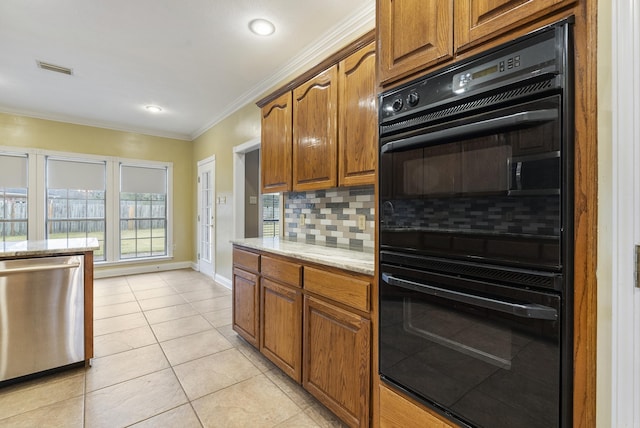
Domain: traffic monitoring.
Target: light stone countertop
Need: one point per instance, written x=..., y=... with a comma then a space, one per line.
x=46, y=247
x=351, y=260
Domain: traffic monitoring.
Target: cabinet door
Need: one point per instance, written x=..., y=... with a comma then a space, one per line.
x=336, y=369
x=315, y=132
x=276, y=145
x=477, y=20
x=245, y=305
x=413, y=35
x=357, y=136
x=281, y=327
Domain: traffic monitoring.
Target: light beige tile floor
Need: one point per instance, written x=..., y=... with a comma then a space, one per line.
x=165, y=356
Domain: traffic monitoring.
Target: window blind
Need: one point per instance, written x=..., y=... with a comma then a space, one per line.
x=137, y=179
x=13, y=171
x=67, y=174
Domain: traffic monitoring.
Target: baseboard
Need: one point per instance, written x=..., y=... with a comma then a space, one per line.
x=134, y=270
x=223, y=281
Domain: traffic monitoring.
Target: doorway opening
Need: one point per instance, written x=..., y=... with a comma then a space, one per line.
x=255, y=214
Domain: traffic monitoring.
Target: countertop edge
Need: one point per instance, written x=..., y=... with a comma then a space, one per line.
x=348, y=260
x=47, y=247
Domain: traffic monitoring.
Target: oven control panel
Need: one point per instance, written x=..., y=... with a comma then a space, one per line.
x=530, y=60
x=519, y=61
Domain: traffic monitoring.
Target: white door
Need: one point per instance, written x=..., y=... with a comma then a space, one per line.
x=206, y=216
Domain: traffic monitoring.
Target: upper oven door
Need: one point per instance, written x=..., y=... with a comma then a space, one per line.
x=509, y=151
x=496, y=175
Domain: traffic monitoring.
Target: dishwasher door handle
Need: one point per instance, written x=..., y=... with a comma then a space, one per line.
x=38, y=268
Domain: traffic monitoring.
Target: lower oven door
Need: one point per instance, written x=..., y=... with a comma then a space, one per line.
x=486, y=354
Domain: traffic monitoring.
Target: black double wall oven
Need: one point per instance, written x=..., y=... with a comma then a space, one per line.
x=476, y=235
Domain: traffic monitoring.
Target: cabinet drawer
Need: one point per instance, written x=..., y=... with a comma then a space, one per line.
x=247, y=260
x=343, y=289
x=281, y=271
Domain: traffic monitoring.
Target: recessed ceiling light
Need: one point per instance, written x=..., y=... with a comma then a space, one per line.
x=154, y=109
x=262, y=27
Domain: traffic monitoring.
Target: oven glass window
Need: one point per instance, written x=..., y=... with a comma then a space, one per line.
x=490, y=368
x=501, y=190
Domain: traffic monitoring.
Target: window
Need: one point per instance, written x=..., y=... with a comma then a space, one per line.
x=271, y=214
x=125, y=204
x=143, y=211
x=76, y=201
x=13, y=197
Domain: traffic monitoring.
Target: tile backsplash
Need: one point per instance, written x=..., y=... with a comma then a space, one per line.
x=331, y=217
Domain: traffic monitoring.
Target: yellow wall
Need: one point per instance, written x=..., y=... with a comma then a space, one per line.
x=238, y=128
x=19, y=131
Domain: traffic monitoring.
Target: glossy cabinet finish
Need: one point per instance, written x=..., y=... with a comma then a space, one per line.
x=476, y=20
x=337, y=360
x=399, y=411
x=246, y=293
x=245, y=305
x=315, y=132
x=320, y=130
x=346, y=290
x=276, y=145
x=358, y=118
x=419, y=35
x=312, y=323
x=413, y=35
x=281, y=327
x=281, y=314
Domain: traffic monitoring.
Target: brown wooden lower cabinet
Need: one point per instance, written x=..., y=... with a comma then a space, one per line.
x=337, y=360
x=312, y=323
x=246, y=305
x=281, y=327
x=397, y=411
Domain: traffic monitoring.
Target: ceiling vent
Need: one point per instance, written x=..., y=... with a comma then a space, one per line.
x=56, y=68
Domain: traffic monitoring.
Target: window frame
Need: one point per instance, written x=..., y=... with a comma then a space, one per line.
x=68, y=218
x=3, y=220
x=136, y=219
x=37, y=198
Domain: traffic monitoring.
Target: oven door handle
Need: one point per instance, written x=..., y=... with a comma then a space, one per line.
x=498, y=123
x=528, y=310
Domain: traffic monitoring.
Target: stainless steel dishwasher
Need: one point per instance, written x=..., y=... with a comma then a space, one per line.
x=41, y=314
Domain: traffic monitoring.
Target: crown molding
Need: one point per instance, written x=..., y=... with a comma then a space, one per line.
x=349, y=29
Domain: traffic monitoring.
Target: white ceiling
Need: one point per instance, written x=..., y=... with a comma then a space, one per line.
x=194, y=58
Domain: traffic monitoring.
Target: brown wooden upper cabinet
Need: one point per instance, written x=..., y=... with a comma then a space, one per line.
x=276, y=145
x=415, y=35
x=315, y=132
x=320, y=131
x=476, y=20
x=358, y=118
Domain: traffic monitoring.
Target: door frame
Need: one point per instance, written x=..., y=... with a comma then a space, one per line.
x=239, y=164
x=212, y=160
x=625, y=190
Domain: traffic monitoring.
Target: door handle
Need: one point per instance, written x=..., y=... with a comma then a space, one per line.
x=499, y=123
x=523, y=310
x=38, y=268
